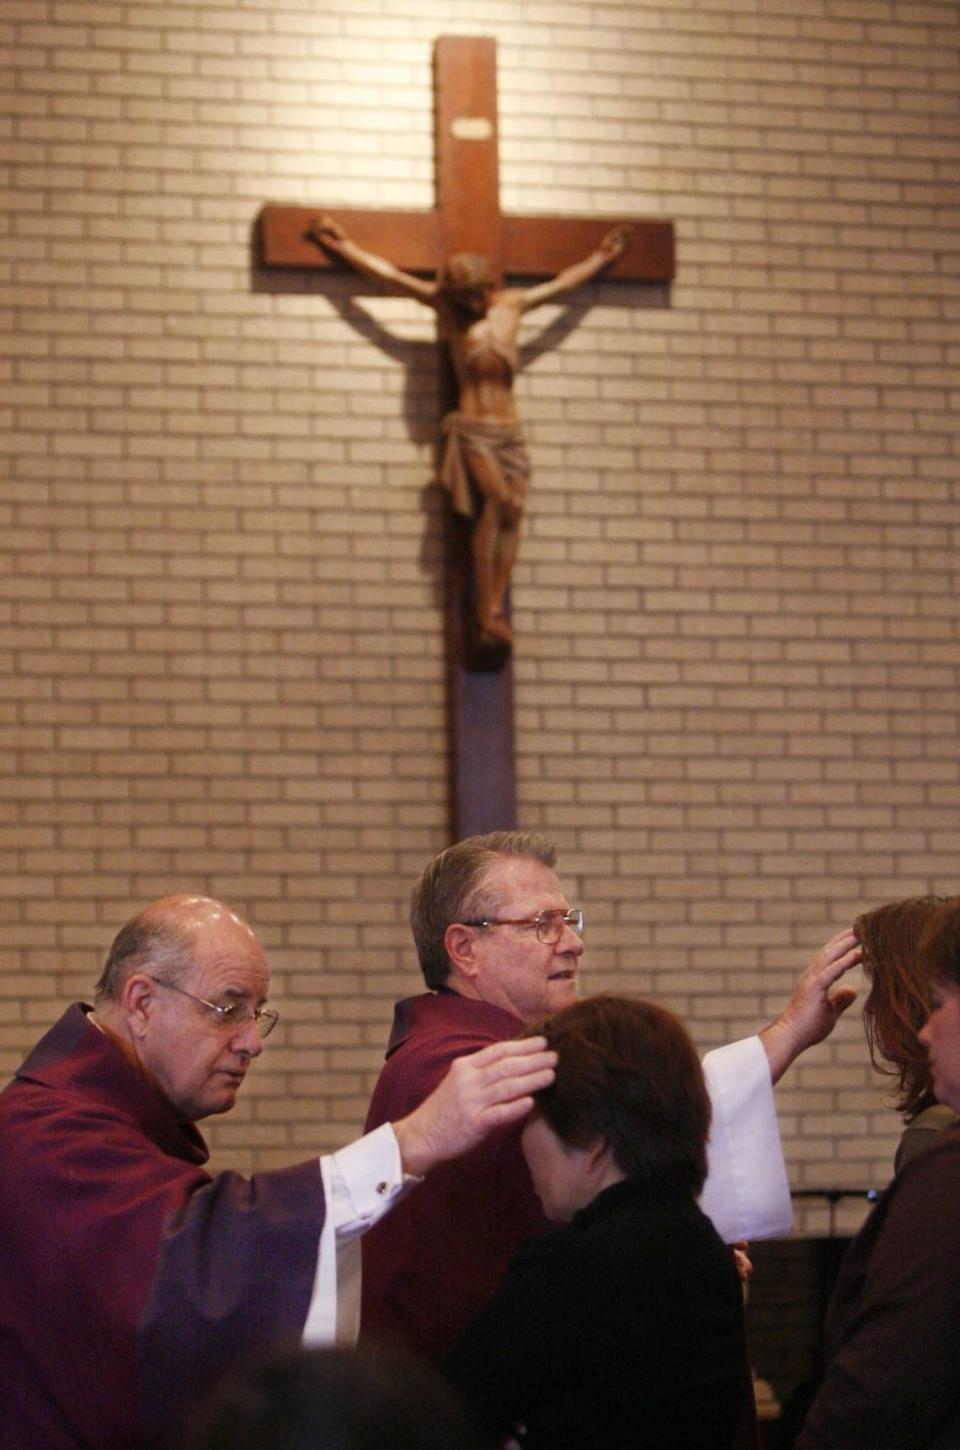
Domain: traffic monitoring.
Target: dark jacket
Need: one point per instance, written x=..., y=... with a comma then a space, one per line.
x=621, y=1331
x=892, y=1380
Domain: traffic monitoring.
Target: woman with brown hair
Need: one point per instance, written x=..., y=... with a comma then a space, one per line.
x=892, y=1380
x=896, y=1008
x=624, y=1327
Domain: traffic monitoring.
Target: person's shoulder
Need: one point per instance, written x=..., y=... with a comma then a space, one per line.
x=437, y=1028
x=448, y=1017
x=438, y=1040
x=63, y=1135
x=629, y=1213
x=944, y=1144
x=922, y=1132
x=931, y=1176
x=633, y=1243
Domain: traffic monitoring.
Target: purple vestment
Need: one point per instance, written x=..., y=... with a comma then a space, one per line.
x=436, y=1259
x=130, y=1277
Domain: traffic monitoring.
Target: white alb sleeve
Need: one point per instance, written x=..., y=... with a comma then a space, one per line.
x=361, y=1183
x=746, y=1194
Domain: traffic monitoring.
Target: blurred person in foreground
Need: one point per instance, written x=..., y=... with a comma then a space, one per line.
x=892, y=1377
x=624, y=1327
x=332, y=1399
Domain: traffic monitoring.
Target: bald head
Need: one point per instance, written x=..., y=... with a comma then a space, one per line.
x=195, y=1053
x=165, y=938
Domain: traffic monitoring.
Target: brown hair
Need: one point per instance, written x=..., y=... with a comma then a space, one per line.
x=628, y=1072
x=894, y=940
x=453, y=888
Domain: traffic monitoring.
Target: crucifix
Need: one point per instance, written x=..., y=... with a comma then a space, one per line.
x=467, y=220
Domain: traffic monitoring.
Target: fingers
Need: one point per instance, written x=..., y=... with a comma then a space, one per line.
x=837, y=946
x=841, y=942
x=813, y=1009
x=506, y=1071
x=836, y=956
x=833, y=971
x=325, y=229
x=514, y=1047
x=530, y=1080
x=616, y=239
x=844, y=941
x=483, y=1091
x=843, y=998
x=743, y=1262
x=506, y=1062
x=501, y=1115
x=508, y=1080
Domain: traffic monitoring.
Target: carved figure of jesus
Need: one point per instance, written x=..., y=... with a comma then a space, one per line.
x=484, y=460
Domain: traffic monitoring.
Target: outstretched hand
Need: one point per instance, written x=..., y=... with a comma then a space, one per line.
x=615, y=241
x=815, y=1004
x=485, y=1090
x=327, y=232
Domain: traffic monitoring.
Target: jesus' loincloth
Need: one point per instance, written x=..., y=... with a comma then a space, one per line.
x=501, y=442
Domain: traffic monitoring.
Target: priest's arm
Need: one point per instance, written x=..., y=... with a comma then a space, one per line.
x=747, y=1194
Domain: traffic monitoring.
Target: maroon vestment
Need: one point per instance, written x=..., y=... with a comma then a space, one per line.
x=436, y=1259
x=130, y=1277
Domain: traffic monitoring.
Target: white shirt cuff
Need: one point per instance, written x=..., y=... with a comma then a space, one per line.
x=361, y=1183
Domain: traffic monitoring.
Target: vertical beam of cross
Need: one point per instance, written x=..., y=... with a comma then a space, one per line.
x=467, y=218
x=479, y=703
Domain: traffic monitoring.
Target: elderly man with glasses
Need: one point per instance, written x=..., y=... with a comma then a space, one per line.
x=499, y=948
x=132, y=1278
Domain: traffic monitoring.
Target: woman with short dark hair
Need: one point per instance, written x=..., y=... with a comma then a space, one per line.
x=624, y=1327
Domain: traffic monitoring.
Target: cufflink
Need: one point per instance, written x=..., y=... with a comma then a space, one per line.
x=383, y=1188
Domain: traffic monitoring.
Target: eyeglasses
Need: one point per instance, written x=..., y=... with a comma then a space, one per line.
x=548, y=925
x=232, y=1015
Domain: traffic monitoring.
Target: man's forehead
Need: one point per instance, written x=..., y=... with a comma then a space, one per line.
x=524, y=877
x=230, y=960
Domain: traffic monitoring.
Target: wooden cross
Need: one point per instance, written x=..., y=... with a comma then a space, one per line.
x=467, y=218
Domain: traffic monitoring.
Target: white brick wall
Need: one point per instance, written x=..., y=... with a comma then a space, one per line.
x=221, y=645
